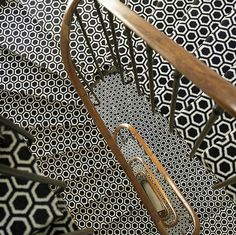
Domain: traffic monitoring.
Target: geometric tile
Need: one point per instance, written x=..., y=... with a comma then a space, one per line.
x=217, y=52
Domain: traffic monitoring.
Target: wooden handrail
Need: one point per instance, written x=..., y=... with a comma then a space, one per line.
x=221, y=91
x=163, y=172
x=68, y=63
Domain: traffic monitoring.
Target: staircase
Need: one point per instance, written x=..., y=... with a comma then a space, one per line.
x=37, y=95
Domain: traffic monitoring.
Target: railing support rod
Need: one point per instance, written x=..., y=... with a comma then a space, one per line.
x=217, y=111
x=150, y=74
x=79, y=19
x=31, y=176
x=131, y=50
x=105, y=32
x=17, y=129
x=231, y=180
x=176, y=77
x=87, y=84
x=113, y=32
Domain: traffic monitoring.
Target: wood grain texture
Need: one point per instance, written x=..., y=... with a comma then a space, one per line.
x=221, y=91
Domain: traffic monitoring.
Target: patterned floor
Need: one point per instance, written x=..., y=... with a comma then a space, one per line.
x=36, y=94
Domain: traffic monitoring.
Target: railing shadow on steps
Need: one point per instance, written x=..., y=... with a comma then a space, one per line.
x=221, y=91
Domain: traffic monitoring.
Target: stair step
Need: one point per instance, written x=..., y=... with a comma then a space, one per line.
x=29, y=39
x=58, y=139
x=170, y=149
x=35, y=111
x=217, y=52
x=72, y=164
x=48, y=14
x=190, y=32
x=220, y=159
x=191, y=121
x=24, y=76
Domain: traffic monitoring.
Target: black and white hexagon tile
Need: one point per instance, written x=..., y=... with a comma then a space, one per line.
x=124, y=106
x=22, y=75
x=191, y=121
x=193, y=29
x=218, y=52
x=160, y=14
x=23, y=35
x=26, y=207
x=221, y=159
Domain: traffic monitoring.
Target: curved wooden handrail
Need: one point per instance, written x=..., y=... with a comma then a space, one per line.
x=68, y=63
x=221, y=91
x=163, y=171
x=154, y=181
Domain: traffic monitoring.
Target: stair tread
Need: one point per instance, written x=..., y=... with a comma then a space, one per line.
x=220, y=159
x=45, y=50
x=57, y=139
x=22, y=75
x=219, y=56
x=41, y=112
x=191, y=121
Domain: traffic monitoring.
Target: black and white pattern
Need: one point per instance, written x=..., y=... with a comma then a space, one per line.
x=191, y=121
x=218, y=52
x=162, y=17
x=26, y=207
x=36, y=94
x=221, y=160
x=170, y=149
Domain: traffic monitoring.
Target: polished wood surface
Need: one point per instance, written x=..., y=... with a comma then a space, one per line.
x=163, y=172
x=221, y=91
x=68, y=63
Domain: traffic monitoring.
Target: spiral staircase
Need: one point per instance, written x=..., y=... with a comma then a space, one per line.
x=37, y=95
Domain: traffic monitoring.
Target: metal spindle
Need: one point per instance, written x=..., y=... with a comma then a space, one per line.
x=17, y=129
x=176, y=76
x=87, y=84
x=105, y=33
x=88, y=43
x=111, y=22
x=150, y=73
x=131, y=50
x=31, y=176
x=217, y=111
x=231, y=180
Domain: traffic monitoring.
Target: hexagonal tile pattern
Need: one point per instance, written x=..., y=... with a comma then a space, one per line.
x=221, y=159
x=216, y=51
x=17, y=200
x=23, y=76
x=197, y=115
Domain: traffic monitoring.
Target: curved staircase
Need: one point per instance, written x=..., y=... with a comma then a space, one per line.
x=36, y=94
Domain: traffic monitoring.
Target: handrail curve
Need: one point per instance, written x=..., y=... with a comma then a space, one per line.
x=220, y=90
x=163, y=172
x=75, y=80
